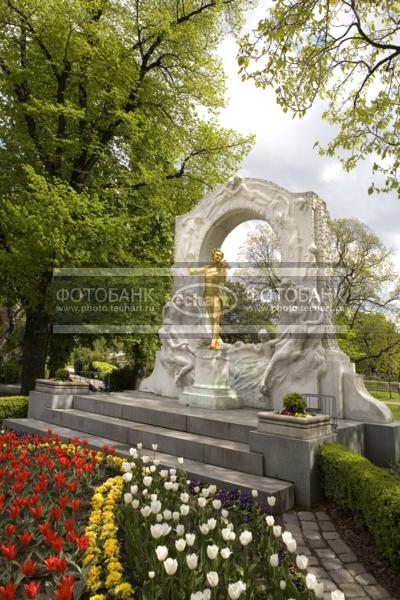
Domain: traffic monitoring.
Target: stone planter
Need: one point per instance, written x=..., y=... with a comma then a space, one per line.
x=57, y=388
x=300, y=428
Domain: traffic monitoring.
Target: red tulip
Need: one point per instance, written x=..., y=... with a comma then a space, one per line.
x=9, y=529
x=57, y=544
x=66, y=588
x=37, y=511
x=68, y=524
x=56, y=513
x=53, y=563
x=31, y=589
x=75, y=504
x=8, y=551
x=63, y=501
x=28, y=568
x=13, y=512
x=25, y=537
x=7, y=592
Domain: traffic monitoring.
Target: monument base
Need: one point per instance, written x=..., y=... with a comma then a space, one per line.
x=211, y=387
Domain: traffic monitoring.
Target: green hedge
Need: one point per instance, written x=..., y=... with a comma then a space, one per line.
x=370, y=493
x=13, y=407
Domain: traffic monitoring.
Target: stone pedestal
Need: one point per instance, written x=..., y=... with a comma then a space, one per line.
x=211, y=387
x=289, y=446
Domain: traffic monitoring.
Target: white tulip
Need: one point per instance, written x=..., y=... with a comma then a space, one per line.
x=184, y=497
x=175, y=487
x=145, y=492
x=282, y=584
x=154, y=447
x=277, y=530
x=196, y=489
x=311, y=580
x=128, y=498
x=133, y=452
x=167, y=515
x=173, y=478
x=134, y=489
x=184, y=508
x=180, y=460
x=153, y=469
x=155, y=507
x=127, y=477
x=159, y=518
x=291, y=546
x=271, y=501
x=270, y=521
x=139, y=445
x=146, y=511
x=216, y=504
x=337, y=595
x=212, y=523
x=197, y=596
x=235, y=590
x=180, y=530
x=202, y=502
x=226, y=534
x=192, y=561
x=135, y=504
x=145, y=459
x=151, y=574
x=212, y=489
x=212, y=552
x=205, y=492
x=224, y=513
x=254, y=493
x=225, y=553
x=147, y=481
x=162, y=552
x=318, y=590
x=172, y=471
x=190, y=539
x=171, y=566
x=245, y=538
x=287, y=536
x=153, y=497
x=301, y=562
x=168, y=485
x=156, y=462
x=166, y=529
x=156, y=531
x=126, y=467
x=212, y=578
x=163, y=474
x=274, y=560
x=204, y=528
x=180, y=545
x=207, y=594
x=176, y=515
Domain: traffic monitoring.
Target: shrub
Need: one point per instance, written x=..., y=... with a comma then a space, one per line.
x=103, y=368
x=294, y=403
x=10, y=372
x=62, y=375
x=370, y=493
x=123, y=379
x=13, y=407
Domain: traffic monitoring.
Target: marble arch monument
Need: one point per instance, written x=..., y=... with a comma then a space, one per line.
x=304, y=356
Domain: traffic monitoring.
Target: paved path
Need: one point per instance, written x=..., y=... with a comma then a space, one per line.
x=330, y=559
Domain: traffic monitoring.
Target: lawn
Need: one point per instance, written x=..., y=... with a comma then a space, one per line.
x=384, y=396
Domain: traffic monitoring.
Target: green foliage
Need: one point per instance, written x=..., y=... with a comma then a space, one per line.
x=294, y=403
x=10, y=372
x=15, y=407
x=103, y=368
x=345, y=54
x=123, y=379
x=370, y=493
x=62, y=375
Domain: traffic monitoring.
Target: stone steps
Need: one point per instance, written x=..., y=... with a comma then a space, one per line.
x=225, y=478
x=234, y=425
x=201, y=448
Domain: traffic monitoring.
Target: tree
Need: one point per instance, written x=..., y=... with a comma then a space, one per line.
x=345, y=52
x=365, y=276
x=101, y=139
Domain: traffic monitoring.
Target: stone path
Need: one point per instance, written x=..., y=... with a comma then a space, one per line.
x=330, y=559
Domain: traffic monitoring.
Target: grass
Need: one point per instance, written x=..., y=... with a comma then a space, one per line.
x=384, y=396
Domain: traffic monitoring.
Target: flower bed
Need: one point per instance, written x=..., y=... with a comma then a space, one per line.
x=42, y=486
x=149, y=533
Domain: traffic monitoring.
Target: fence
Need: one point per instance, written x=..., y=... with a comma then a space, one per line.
x=324, y=404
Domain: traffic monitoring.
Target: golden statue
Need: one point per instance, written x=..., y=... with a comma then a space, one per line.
x=214, y=279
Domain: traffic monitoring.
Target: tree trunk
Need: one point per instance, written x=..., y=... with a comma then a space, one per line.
x=34, y=346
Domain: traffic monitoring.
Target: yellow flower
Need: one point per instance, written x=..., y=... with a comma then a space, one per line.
x=97, y=597
x=113, y=579
x=124, y=590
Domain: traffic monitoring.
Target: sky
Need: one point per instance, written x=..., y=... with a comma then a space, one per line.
x=284, y=154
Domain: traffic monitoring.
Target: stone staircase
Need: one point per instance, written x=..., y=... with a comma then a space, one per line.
x=214, y=444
